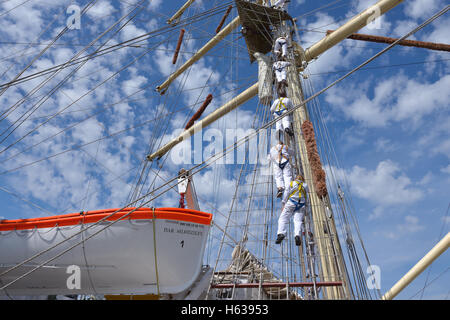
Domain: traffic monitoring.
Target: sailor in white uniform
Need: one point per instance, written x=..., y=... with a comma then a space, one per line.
x=280, y=47
x=280, y=69
x=280, y=156
x=294, y=201
x=279, y=107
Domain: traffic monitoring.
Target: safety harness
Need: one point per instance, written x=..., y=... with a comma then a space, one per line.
x=278, y=109
x=281, y=156
x=301, y=191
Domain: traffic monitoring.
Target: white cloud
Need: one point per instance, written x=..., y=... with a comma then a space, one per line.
x=100, y=9
x=446, y=169
x=385, y=187
x=420, y=9
x=410, y=226
x=395, y=99
x=384, y=145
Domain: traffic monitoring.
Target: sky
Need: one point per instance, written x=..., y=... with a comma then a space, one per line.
x=389, y=123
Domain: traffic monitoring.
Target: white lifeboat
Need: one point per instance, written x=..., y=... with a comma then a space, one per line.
x=143, y=252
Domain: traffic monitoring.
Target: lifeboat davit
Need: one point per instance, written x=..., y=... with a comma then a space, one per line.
x=147, y=251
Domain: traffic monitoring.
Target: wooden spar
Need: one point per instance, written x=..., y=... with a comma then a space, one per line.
x=356, y=23
x=408, y=43
x=177, y=50
x=199, y=112
x=180, y=11
x=223, y=19
x=218, y=113
x=200, y=53
x=353, y=25
x=434, y=253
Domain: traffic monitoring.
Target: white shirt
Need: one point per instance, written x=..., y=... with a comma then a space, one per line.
x=273, y=156
x=294, y=196
x=276, y=105
x=280, y=65
x=280, y=41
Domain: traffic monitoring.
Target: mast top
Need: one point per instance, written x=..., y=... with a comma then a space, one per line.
x=257, y=25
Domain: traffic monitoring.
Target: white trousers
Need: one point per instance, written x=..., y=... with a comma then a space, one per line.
x=283, y=177
x=281, y=75
x=283, y=220
x=283, y=123
x=280, y=45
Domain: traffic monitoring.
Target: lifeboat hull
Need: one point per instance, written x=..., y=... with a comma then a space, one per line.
x=143, y=252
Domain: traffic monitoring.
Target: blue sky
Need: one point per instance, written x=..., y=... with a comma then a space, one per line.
x=389, y=125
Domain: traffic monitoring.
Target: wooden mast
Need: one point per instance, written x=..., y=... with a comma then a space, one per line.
x=311, y=53
x=325, y=234
x=415, y=271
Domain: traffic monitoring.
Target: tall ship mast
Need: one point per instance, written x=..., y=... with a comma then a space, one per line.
x=190, y=248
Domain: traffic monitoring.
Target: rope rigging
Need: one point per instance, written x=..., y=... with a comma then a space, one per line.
x=294, y=265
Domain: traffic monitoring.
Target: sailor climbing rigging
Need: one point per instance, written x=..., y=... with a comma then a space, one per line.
x=280, y=156
x=280, y=68
x=280, y=47
x=294, y=201
x=279, y=107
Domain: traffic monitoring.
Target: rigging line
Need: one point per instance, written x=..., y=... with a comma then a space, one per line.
x=103, y=109
x=179, y=91
x=67, y=44
x=321, y=8
x=25, y=200
x=383, y=66
x=94, y=224
x=204, y=200
x=141, y=181
x=19, y=5
x=222, y=7
x=215, y=157
x=264, y=32
x=320, y=123
x=79, y=98
x=440, y=275
x=98, y=53
x=204, y=163
x=326, y=137
x=82, y=224
x=29, y=45
x=444, y=222
x=95, y=54
x=104, y=167
x=231, y=43
x=60, y=34
x=244, y=236
x=169, y=106
x=330, y=147
x=119, y=177
x=45, y=97
x=60, y=84
x=54, y=44
x=79, y=146
x=217, y=96
x=225, y=231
